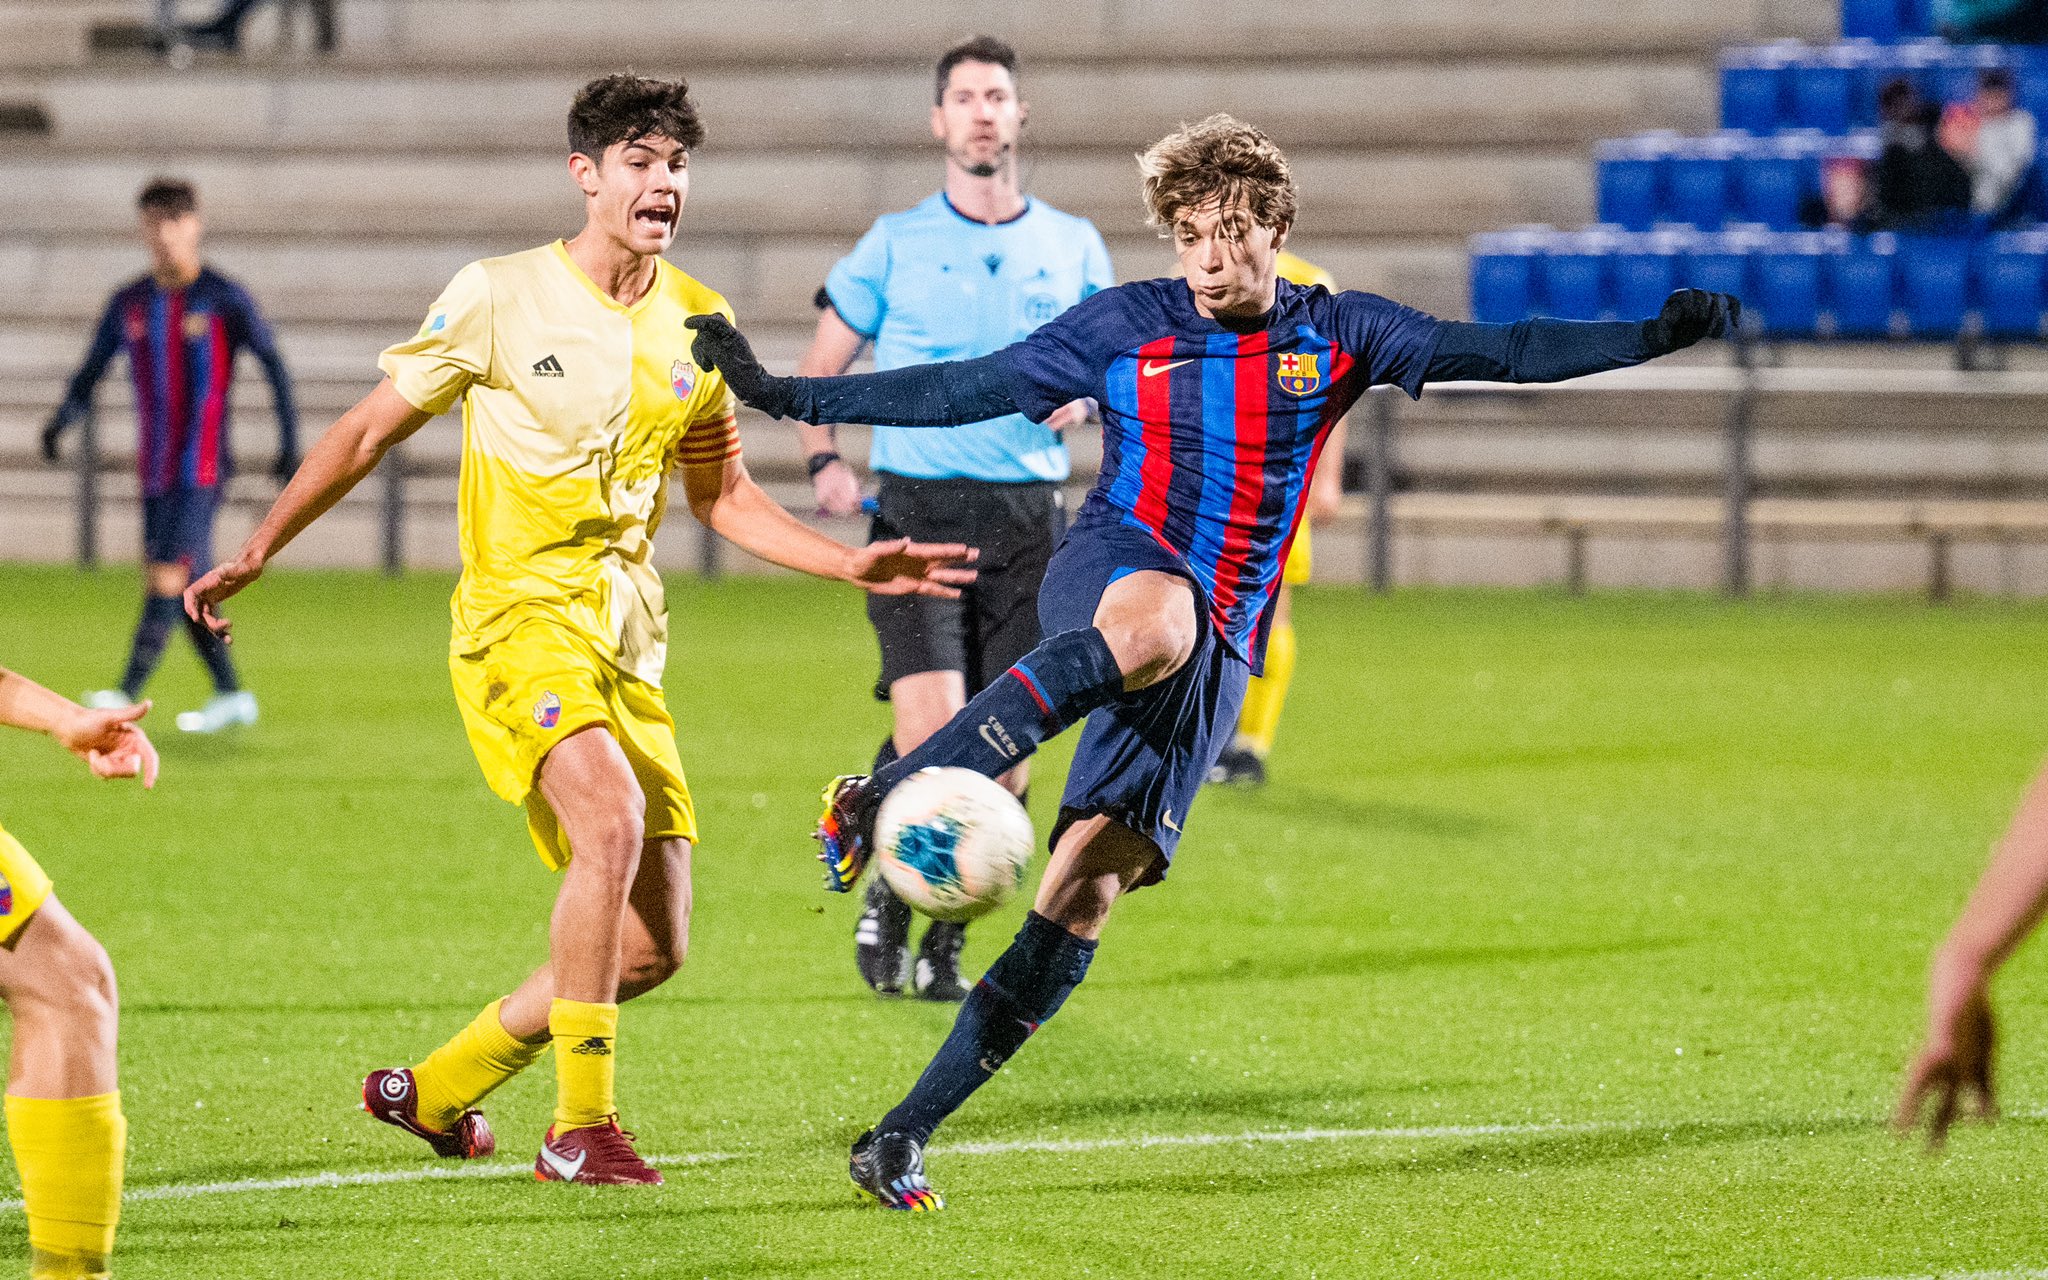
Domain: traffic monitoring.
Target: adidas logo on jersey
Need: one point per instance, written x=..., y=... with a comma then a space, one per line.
x=548, y=368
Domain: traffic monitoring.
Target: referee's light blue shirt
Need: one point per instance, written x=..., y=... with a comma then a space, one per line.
x=929, y=284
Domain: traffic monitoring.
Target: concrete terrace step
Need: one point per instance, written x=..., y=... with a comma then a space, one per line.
x=1302, y=104
x=695, y=33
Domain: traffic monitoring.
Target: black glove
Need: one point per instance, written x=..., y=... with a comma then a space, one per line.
x=1692, y=314
x=287, y=463
x=52, y=430
x=720, y=346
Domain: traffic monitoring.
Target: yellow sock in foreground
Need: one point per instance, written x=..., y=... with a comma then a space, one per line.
x=583, y=1062
x=1259, y=722
x=70, y=1152
x=461, y=1073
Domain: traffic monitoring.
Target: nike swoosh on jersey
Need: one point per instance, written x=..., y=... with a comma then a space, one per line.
x=566, y=1170
x=1153, y=368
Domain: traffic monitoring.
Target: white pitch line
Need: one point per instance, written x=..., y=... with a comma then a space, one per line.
x=432, y=1173
x=1284, y=1136
x=2017, y=1273
x=370, y=1178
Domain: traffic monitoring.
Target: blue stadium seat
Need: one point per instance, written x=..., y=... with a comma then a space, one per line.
x=1645, y=271
x=1872, y=19
x=1751, y=80
x=1573, y=276
x=1823, y=81
x=1859, y=286
x=2033, y=85
x=1630, y=176
x=1696, y=177
x=1774, y=176
x=1503, y=276
x=1916, y=17
x=2009, y=284
x=1934, y=277
x=1716, y=262
x=1787, y=293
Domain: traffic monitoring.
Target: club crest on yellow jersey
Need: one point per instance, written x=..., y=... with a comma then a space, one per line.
x=1300, y=372
x=682, y=375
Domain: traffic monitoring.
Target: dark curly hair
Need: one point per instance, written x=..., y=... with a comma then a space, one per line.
x=626, y=108
x=172, y=197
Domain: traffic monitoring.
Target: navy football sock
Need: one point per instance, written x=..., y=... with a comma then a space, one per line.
x=885, y=754
x=1052, y=687
x=1026, y=985
x=152, y=633
x=213, y=651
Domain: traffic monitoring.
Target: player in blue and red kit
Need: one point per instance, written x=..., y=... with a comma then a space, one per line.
x=1217, y=393
x=181, y=327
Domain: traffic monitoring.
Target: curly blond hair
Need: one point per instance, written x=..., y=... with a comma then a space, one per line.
x=1222, y=161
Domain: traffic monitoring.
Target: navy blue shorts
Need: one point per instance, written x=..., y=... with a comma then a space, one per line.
x=1142, y=758
x=177, y=528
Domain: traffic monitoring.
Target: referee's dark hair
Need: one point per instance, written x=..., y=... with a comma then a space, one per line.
x=626, y=108
x=987, y=49
x=171, y=197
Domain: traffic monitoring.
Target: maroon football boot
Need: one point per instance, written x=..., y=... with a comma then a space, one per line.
x=393, y=1097
x=599, y=1154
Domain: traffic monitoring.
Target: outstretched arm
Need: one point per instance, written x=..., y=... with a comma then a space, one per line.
x=109, y=741
x=729, y=503
x=925, y=395
x=1554, y=350
x=349, y=451
x=77, y=402
x=2008, y=902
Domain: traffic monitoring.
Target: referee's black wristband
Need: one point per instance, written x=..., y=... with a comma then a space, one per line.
x=819, y=461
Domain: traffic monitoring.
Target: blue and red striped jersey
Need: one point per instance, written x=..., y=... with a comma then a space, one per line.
x=1210, y=433
x=181, y=346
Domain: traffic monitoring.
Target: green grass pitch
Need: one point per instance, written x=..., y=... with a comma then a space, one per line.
x=1572, y=939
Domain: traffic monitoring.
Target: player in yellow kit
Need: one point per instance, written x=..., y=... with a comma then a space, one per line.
x=64, y=1116
x=1243, y=762
x=579, y=398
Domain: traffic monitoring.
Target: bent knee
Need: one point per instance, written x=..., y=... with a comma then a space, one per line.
x=64, y=969
x=1151, y=652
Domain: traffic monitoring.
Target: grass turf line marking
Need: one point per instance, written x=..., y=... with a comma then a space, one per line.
x=437, y=1173
x=1285, y=1136
x=368, y=1178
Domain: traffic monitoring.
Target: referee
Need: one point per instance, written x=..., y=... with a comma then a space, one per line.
x=967, y=271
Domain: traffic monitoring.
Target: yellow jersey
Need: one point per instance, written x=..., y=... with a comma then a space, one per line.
x=575, y=409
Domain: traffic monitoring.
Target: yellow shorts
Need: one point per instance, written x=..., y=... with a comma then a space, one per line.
x=24, y=887
x=528, y=691
x=1301, y=557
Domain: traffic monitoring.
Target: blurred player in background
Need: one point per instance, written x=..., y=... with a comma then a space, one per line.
x=968, y=271
x=181, y=327
x=1243, y=762
x=579, y=398
x=1957, y=1059
x=1218, y=393
x=63, y=1102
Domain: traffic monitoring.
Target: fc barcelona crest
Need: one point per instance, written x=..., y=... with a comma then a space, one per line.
x=682, y=377
x=1300, y=372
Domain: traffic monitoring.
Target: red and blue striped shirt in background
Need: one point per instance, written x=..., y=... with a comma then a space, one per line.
x=181, y=346
x=1210, y=434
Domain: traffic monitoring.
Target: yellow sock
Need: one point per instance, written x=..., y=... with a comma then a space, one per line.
x=1267, y=696
x=583, y=1062
x=459, y=1074
x=70, y=1152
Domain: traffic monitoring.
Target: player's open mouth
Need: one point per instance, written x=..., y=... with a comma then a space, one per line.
x=662, y=217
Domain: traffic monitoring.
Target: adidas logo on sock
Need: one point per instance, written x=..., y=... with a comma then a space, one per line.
x=548, y=368
x=597, y=1046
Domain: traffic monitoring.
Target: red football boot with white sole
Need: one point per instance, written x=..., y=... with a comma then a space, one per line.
x=597, y=1155
x=391, y=1095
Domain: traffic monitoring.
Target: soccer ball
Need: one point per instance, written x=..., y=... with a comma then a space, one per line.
x=952, y=843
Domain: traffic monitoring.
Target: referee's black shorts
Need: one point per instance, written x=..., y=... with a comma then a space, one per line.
x=995, y=620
